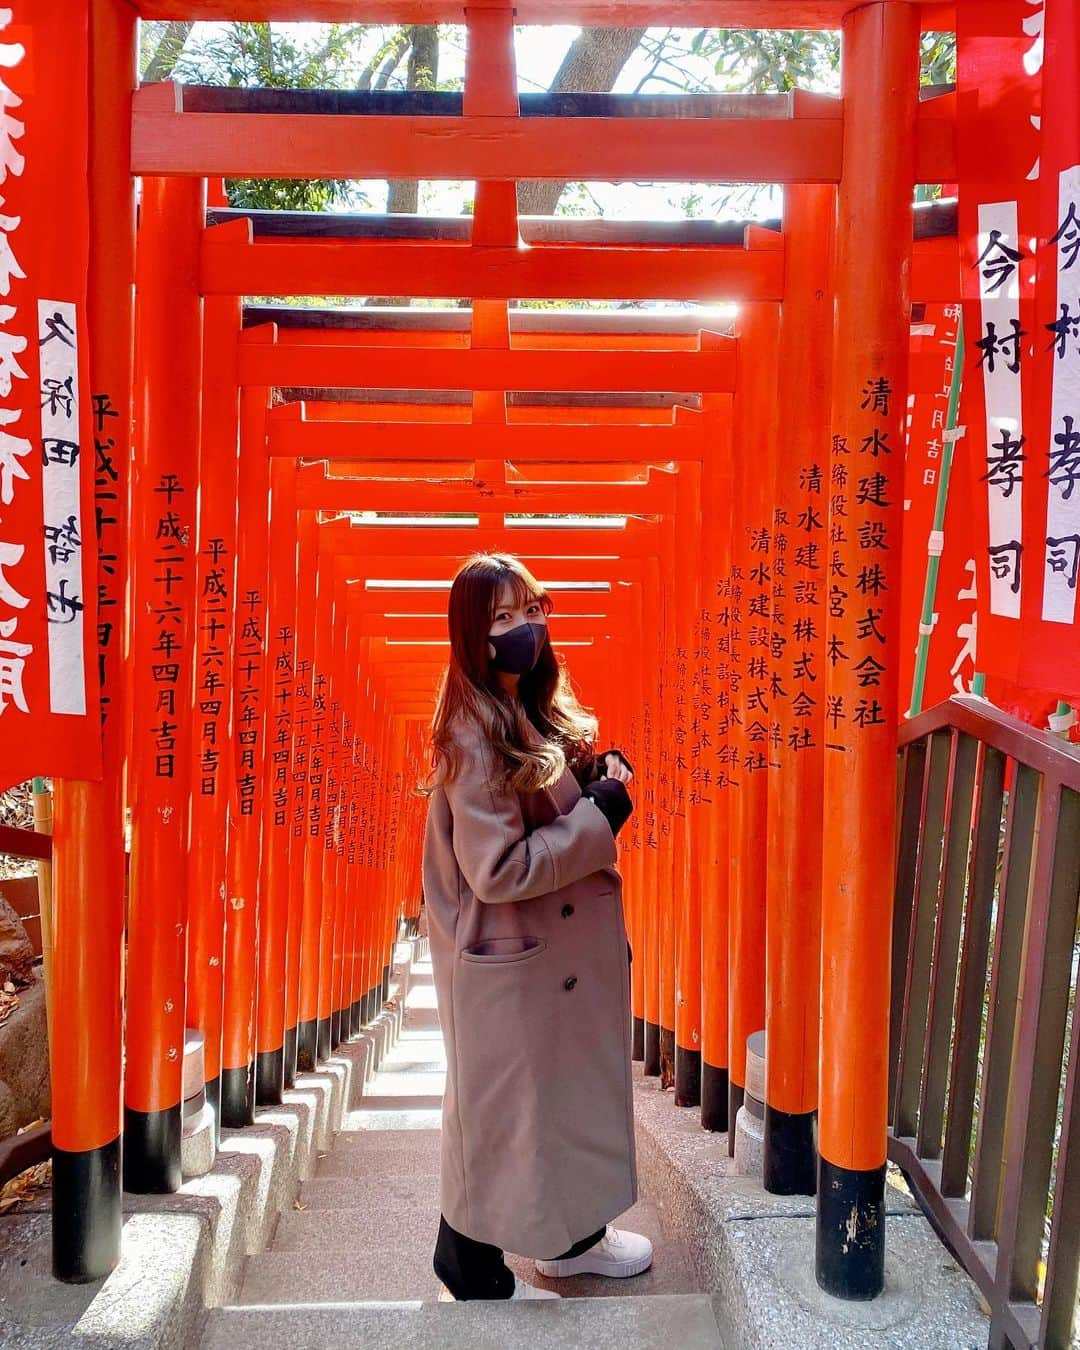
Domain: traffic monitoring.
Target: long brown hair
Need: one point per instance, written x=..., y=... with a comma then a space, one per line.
x=470, y=690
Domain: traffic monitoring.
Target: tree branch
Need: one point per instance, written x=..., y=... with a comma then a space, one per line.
x=168, y=52
x=592, y=64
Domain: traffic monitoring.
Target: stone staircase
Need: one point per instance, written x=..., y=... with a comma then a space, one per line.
x=350, y=1263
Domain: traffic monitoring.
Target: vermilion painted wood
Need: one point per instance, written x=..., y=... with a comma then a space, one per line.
x=211, y=771
x=434, y=441
x=282, y=490
x=716, y=483
x=279, y=914
x=88, y=850
x=167, y=409
x=634, y=541
x=542, y=272
x=342, y=686
x=317, y=492
x=328, y=367
x=689, y=585
x=306, y=844
x=935, y=278
x=804, y=147
x=321, y=825
x=601, y=337
x=793, y=889
x=268, y=145
x=871, y=341
x=440, y=566
x=249, y=692
x=716, y=273
x=572, y=413
x=651, y=744
x=614, y=604
x=357, y=880
x=753, y=486
x=587, y=13
x=672, y=853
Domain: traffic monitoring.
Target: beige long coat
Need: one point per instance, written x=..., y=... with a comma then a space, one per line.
x=529, y=951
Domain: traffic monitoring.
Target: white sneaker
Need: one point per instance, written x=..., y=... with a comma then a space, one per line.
x=521, y=1290
x=618, y=1254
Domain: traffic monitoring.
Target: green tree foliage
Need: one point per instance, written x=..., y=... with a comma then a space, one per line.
x=266, y=56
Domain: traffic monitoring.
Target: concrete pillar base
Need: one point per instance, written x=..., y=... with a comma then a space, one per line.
x=749, y=1144
x=197, y=1144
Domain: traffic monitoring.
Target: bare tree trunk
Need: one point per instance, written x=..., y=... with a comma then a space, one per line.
x=591, y=65
x=168, y=52
x=403, y=196
x=384, y=62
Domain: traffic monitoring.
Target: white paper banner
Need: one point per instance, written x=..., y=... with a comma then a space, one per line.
x=999, y=295
x=60, y=451
x=1062, y=561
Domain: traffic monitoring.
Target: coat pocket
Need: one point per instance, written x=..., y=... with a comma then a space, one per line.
x=502, y=951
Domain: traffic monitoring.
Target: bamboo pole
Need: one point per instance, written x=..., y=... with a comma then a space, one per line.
x=935, y=543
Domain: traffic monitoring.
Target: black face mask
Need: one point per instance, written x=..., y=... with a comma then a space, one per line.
x=518, y=651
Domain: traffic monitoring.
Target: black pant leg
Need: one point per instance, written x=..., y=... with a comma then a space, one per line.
x=582, y=1246
x=471, y=1269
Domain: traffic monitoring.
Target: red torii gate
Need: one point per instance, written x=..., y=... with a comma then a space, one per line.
x=207, y=434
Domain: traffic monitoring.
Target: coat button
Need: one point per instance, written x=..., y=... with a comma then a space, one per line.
x=569, y=983
x=567, y=910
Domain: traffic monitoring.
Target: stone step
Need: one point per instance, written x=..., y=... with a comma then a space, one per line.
x=381, y=1153
x=397, y=1268
x=359, y=1217
x=354, y=1220
x=670, y=1273
x=365, y=1192
x=671, y=1322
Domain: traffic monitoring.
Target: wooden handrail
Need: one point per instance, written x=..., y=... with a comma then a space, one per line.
x=24, y=843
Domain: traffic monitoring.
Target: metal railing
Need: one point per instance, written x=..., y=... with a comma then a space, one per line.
x=984, y=1050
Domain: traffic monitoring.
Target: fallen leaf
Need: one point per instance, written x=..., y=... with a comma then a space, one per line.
x=25, y=1186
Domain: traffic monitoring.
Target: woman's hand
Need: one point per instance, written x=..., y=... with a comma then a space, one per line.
x=615, y=766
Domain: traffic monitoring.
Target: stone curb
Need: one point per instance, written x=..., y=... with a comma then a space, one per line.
x=754, y=1252
x=185, y=1253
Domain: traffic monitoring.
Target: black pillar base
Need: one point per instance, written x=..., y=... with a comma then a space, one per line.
x=385, y=983
x=637, y=1038
x=269, y=1077
x=735, y=1094
x=356, y=1017
x=851, y=1231
x=290, y=1056
x=238, y=1096
x=367, y=1004
x=87, y=1213
x=790, y=1152
x=307, y=1035
x=337, y=1027
x=652, y=1050
x=151, y=1151
x=687, y=1077
x=714, y=1098
x=212, y=1089
x=324, y=1039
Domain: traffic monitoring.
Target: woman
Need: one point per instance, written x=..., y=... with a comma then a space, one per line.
x=529, y=952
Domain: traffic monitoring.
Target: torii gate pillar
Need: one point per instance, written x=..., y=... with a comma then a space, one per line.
x=869, y=409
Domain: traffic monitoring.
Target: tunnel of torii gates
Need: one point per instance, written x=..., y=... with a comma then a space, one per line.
x=265, y=719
